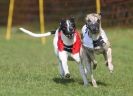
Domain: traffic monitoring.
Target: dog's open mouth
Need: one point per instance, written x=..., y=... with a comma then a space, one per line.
x=70, y=36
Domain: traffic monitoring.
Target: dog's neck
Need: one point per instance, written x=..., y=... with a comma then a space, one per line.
x=66, y=40
x=96, y=36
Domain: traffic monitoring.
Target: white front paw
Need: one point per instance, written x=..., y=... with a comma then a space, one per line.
x=111, y=67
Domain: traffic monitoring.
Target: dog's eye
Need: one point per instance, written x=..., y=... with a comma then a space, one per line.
x=98, y=21
x=89, y=21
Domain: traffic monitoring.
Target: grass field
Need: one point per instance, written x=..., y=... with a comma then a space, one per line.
x=28, y=68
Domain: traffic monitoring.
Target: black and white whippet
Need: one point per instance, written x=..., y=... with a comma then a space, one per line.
x=66, y=43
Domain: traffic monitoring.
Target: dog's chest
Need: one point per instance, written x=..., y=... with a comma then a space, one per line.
x=67, y=41
x=68, y=45
x=98, y=44
x=98, y=50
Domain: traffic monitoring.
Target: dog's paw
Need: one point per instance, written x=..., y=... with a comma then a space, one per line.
x=67, y=76
x=110, y=67
x=94, y=83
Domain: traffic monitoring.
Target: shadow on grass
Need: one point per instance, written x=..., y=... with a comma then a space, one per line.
x=99, y=83
x=66, y=81
x=102, y=83
x=63, y=81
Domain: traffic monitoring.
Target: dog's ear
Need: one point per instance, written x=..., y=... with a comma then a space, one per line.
x=62, y=22
x=72, y=19
x=100, y=14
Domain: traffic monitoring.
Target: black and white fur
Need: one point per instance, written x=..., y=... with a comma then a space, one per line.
x=66, y=27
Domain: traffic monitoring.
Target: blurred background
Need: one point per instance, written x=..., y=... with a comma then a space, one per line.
x=115, y=12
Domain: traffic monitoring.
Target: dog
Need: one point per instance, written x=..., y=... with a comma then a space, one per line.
x=66, y=42
x=95, y=41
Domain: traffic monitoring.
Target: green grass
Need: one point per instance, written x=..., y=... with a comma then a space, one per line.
x=28, y=68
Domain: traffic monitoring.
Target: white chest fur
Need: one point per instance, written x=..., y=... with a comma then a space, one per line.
x=68, y=41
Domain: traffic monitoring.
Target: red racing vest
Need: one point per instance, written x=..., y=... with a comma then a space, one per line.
x=74, y=48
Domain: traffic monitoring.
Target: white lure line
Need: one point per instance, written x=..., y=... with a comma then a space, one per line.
x=34, y=34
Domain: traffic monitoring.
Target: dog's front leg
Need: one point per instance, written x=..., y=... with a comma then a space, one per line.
x=109, y=59
x=61, y=68
x=84, y=76
x=63, y=58
x=76, y=57
x=81, y=67
x=88, y=62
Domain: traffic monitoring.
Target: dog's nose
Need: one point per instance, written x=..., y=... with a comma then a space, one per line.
x=92, y=27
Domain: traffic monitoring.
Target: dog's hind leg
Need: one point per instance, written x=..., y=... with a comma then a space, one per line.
x=93, y=60
x=94, y=83
x=90, y=70
x=90, y=53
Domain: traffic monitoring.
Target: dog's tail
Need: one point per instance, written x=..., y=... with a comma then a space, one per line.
x=37, y=35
